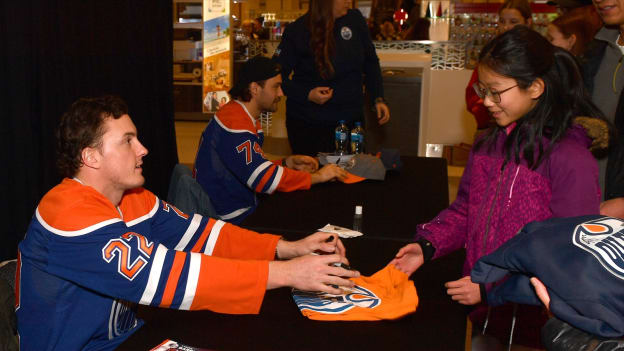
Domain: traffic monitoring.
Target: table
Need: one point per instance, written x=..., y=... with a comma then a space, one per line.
x=391, y=208
x=438, y=324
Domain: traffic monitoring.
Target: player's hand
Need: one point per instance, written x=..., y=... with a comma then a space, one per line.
x=320, y=95
x=464, y=291
x=383, y=113
x=613, y=207
x=327, y=173
x=317, y=242
x=302, y=163
x=409, y=258
x=310, y=273
x=542, y=293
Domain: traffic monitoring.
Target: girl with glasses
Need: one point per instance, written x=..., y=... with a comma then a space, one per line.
x=534, y=164
x=511, y=13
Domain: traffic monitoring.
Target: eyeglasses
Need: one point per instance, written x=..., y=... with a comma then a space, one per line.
x=495, y=96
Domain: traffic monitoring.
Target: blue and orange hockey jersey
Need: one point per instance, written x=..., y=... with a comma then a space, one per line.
x=231, y=167
x=84, y=263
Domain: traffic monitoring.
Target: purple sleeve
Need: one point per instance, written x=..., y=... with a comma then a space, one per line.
x=447, y=231
x=574, y=181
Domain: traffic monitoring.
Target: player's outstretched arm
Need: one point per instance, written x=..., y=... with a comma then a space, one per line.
x=327, y=173
x=409, y=258
x=311, y=273
x=302, y=163
x=319, y=241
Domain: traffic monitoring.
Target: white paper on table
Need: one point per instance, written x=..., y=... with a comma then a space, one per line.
x=342, y=232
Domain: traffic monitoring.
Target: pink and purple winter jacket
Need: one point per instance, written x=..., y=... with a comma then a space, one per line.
x=494, y=202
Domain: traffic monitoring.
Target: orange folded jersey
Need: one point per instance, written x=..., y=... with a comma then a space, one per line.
x=387, y=294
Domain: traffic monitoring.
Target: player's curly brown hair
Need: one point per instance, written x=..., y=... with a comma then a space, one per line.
x=83, y=126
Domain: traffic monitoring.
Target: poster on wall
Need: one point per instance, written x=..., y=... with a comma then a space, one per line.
x=217, y=62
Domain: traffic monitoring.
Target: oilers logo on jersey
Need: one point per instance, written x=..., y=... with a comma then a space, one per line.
x=604, y=239
x=357, y=296
x=387, y=294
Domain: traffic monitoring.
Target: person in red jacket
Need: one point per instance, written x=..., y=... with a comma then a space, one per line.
x=510, y=14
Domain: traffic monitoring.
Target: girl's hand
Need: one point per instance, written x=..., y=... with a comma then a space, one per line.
x=383, y=113
x=320, y=95
x=409, y=258
x=464, y=291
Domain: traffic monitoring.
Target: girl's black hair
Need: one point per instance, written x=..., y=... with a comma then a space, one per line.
x=525, y=55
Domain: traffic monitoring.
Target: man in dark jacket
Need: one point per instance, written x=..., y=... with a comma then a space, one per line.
x=604, y=78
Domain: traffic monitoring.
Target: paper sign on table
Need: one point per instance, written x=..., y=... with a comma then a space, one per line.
x=341, y=231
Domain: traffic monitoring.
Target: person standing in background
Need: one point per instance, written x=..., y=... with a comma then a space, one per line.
x=510, y=14
x=604, y=78
x=563, y=6
x=575, y=29
x=330, y=55
x=418, y=27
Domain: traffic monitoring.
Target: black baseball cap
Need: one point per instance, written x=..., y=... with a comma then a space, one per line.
x=256, y=69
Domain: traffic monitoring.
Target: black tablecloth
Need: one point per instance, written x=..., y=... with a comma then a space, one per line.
x=392, y=209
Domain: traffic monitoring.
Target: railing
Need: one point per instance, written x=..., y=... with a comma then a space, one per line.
x=445, y=55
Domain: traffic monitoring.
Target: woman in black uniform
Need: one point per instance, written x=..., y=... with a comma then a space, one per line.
x=331, y=56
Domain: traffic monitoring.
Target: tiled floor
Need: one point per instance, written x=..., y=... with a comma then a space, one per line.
x=188, y=134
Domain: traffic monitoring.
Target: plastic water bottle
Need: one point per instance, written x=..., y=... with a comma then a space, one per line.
x=342, y=138
x=357, y=219
x=357, y=139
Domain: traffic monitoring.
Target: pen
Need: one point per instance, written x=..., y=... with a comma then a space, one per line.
x=329, y=240
x=342, y=265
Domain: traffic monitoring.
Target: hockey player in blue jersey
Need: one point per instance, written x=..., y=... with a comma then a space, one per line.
x=230, y=164
x=99, y=243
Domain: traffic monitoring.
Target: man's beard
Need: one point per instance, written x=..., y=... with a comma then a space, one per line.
x=273, y=107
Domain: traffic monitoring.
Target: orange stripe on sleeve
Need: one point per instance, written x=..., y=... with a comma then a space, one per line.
x=236, y=242
x=230, y=286
x=172, y=280
x=293, y=179
x=204, y=236
x=267, y=175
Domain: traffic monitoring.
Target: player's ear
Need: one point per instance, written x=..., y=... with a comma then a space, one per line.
x=254, y=88
x=90, y=157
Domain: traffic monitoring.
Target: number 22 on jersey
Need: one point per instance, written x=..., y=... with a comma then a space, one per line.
x=121, y=250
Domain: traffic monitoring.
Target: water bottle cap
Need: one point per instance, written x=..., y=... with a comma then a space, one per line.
x=341, y=121
x=358, y=210
x=357, y=124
